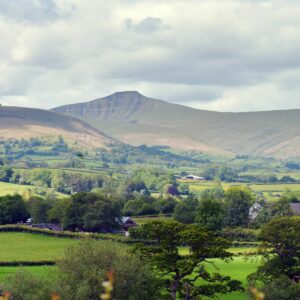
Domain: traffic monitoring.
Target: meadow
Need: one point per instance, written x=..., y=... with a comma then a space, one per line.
x=21, y=246
x=7, y=188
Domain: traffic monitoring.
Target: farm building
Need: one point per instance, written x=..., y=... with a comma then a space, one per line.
x=127, y=223
x=194, y=177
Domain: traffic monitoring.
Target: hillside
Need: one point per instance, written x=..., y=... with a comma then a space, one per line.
x=19, y=122
x=136, y=119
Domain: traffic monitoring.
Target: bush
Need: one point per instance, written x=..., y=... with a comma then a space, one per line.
x=25, y=286
x=241, y=234
x=84, y=268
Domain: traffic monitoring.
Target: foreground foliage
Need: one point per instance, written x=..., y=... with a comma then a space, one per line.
x=81, y=272
x=280, y=270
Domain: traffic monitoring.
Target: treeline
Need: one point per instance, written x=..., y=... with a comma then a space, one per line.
x=225, y=173
x=61, y=181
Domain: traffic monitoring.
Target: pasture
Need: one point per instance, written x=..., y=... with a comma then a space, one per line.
x=270, y=191
x=12, y=188
x=38, y=271
x=21, y=246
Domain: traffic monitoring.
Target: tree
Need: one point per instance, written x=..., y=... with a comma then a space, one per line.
x=172, y=190
x=281, y=266
x=183, y=188
x=83, y=269
x=6, y=174
x=180, y=272
x=273, y=209
x=282, y=235
x=185, y=210
x=136, y=186
x=238, y=201
x=91, y=212
x=281, y=288
x=38, y=209
x=12, y=210
x=210, y=213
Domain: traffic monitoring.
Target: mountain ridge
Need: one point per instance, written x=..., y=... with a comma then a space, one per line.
x=137, y=119
x=19, y=122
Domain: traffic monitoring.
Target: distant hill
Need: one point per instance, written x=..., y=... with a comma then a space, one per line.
x=136, y=119
x=19, y=122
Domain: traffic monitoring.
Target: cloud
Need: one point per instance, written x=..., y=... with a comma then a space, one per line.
x=234, y=55
x=36, y=11
x=147, y=25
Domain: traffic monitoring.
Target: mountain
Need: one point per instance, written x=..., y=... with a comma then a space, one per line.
x=136, y=119
x=19, y=122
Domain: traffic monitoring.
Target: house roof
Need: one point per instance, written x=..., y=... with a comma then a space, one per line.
x=125, y=219
x=295, y=207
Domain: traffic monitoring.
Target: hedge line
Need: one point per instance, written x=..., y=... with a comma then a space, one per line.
x=241, y=234
x=68, y=234
x=22, y=263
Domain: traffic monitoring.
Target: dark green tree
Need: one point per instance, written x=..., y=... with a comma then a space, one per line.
x=185, y=210
x=38, y=209
x=179, y=273
x=210, y=213
x=91, y=212
x=12, y=209
x=238, y=201
x=282, y=236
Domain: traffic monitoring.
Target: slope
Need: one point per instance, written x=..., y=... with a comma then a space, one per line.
x=19, y=122
x=136, y=119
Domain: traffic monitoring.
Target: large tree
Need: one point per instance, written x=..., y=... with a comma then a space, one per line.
x=91, y=212
x=280, y=268
x=282, y=236
x=210, y=213
x=185, y=276
x=238, y=201
x=12, y=209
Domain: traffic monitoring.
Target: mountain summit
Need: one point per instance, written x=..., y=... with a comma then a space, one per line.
x=136, y=119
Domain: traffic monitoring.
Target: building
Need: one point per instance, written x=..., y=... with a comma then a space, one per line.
x=127, y=223
x=194, y=177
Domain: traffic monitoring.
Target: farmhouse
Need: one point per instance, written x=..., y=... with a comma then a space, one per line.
x=194, y=177
x=295, y=207
x=127, y=223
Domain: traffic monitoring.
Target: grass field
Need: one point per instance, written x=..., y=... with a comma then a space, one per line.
x=36, y=270
x=239, y=268
x=19, y=246
x=11, y=189
x=202, y=185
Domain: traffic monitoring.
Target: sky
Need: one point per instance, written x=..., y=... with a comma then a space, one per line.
x=224, y=55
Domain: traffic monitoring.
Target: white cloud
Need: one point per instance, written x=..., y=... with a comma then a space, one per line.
x=222, y=55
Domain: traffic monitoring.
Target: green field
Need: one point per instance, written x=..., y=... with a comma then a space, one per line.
x=279, y=187
x=239, y=268
x=20, y=246
x=36, y=270
x=12, y=188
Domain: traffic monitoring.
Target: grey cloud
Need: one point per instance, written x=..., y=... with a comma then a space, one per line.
x=147, y=25
x=215, y=55
x=36, y=11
